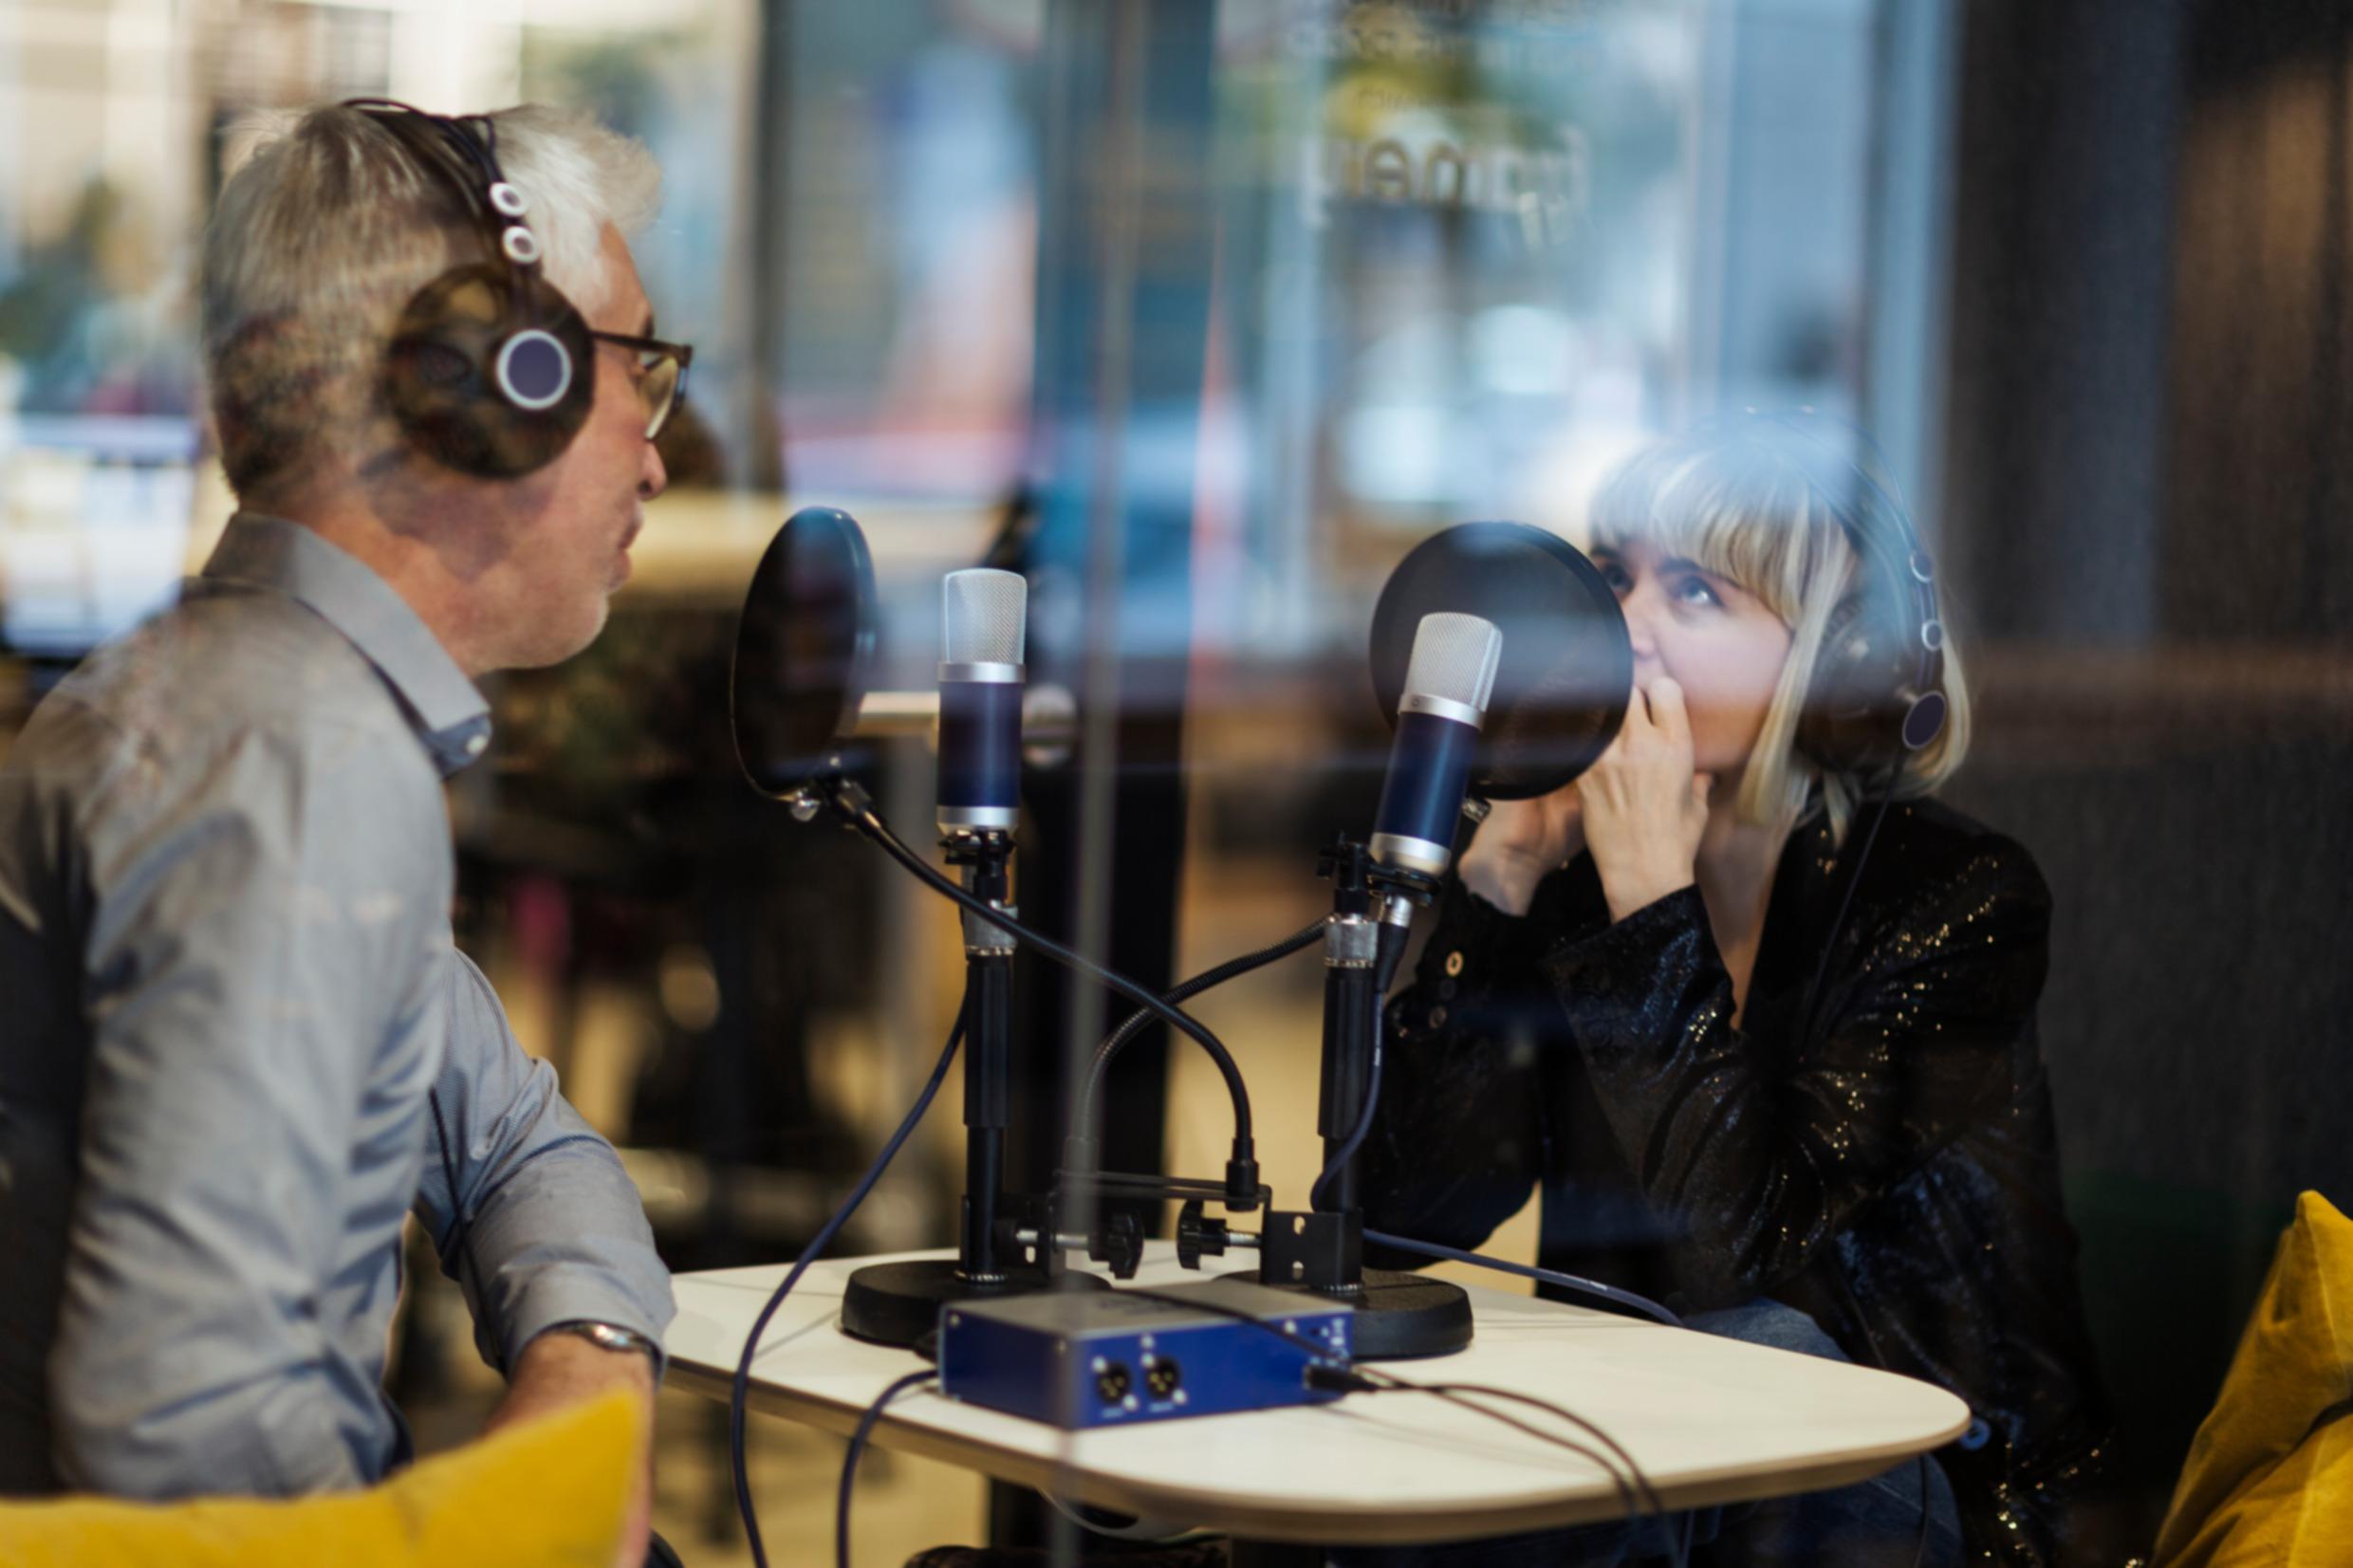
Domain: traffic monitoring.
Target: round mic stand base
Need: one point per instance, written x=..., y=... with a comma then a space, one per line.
x=898, y=1303
x=1398, y=1316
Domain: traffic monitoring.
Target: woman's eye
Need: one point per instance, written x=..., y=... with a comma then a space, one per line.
x=1693, y=590
x=1615, y=576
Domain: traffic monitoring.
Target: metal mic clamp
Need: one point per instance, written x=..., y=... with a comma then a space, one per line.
x=984, y=857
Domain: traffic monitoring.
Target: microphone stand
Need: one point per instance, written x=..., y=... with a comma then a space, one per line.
x=1320, y=1251
x=898, y=1303
x=1008, y=1243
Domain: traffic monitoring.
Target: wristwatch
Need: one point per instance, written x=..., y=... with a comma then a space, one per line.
x=610, y=1337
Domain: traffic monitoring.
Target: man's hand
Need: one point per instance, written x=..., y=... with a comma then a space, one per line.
x=1645, y=808
x=1520, y=844
x=556, y=1370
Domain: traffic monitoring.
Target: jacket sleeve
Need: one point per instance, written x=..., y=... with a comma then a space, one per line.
x=1762, y=1159
x=528, y=1205
x=1456, y=1141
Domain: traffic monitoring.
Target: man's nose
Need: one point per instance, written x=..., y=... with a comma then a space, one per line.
x=653, y=478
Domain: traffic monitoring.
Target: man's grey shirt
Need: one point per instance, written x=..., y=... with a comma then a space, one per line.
x=238, y=1045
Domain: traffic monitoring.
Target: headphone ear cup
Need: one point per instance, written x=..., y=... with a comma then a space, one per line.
x=1860, y=707
x=490, y=372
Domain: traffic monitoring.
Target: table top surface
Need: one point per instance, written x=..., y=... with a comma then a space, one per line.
x=1708, y=1420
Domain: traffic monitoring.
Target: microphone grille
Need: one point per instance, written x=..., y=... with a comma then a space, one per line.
x=1454, y=657
x=985, y=612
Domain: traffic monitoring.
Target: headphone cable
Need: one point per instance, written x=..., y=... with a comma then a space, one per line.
x=1847, y=899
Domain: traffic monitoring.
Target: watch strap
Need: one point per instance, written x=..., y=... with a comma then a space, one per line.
x=611, y=1337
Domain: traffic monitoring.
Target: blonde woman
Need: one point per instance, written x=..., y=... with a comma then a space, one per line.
x=1759, y=1029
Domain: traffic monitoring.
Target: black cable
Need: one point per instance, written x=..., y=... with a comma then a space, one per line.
x=1357, y=1135
x=1549, y=1276
x=1618, y=1482
x=863, y=817
x=1116, y=1040
x=1805, y=1023
x=1329, y=1371
x=1813, y=991
x=740, y=1392
x=1919, y=1542
x=1650, y=1493
x=849, y=1460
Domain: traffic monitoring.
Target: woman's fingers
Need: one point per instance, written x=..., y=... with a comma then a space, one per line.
x=1666, y=709
x=1633, y=729
x=1638, y=711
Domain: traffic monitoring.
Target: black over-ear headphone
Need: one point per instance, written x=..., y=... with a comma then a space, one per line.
x=1877, y=694
x=489, y=371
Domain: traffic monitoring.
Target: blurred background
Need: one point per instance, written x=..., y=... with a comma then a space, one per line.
x=1201, y=315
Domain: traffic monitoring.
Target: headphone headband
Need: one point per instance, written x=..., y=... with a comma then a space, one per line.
x=1910, y=568
x=1863, y=712
x=487, y=370
x=467, y=163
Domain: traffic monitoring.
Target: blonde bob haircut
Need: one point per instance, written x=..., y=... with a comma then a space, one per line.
x=1752, y=502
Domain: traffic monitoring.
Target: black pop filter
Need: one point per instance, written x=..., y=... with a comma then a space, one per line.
x=803, y=650
x=1568, y=668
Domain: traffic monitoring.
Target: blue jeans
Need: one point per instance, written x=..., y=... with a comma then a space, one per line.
x=1873, y=1522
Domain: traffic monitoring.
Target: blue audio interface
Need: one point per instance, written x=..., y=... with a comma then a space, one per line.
x=1109, y=1357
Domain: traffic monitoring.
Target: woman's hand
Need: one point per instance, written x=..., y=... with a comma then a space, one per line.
x=1645, y=808
x=1520, y=844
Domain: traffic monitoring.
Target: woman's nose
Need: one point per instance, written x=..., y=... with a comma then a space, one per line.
x=1639, y=607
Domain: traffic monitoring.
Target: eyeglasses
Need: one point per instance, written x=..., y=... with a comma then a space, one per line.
x=661, y=375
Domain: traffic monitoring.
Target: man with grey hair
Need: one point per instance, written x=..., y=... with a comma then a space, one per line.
x=241, y=1045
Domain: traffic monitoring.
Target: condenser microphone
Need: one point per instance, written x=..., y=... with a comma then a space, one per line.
x=1446, y=684
x=980, y=688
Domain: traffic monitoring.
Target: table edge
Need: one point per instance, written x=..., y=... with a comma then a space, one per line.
x=1354, y=1526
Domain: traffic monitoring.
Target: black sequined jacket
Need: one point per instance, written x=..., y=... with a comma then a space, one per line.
x=1887, y=1165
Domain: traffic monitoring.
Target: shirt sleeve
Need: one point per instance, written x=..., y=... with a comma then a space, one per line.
x=1764, y=1157
x=529, y=1206
x=252, y=934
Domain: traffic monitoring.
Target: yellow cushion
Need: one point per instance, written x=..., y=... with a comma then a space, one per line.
x=545, y=1492
x=2269, y=1478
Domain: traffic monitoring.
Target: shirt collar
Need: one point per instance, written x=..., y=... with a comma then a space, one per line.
x=447, y=712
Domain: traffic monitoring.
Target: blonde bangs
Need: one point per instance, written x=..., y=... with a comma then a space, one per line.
x=1757, y=524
